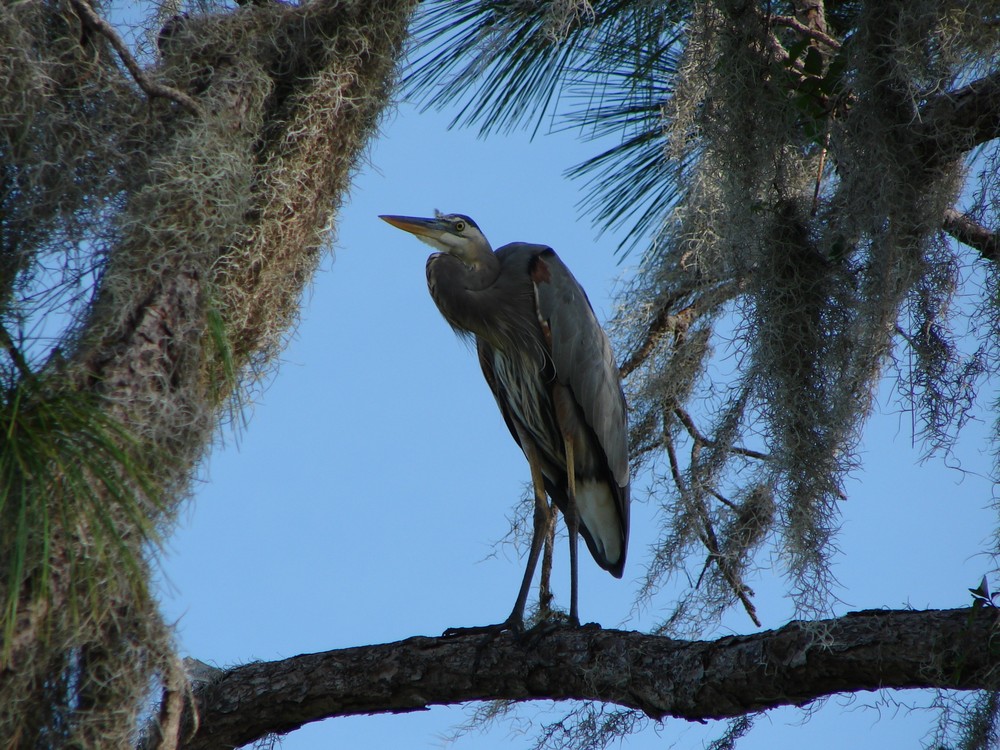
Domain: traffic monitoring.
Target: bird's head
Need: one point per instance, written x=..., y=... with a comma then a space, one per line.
x=455, y=234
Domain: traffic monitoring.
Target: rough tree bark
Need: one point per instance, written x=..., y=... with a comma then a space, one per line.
x=663, y=677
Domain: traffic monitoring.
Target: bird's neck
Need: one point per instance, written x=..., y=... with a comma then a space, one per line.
x=457, y=288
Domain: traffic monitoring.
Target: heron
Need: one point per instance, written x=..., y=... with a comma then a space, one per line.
x=551, y=369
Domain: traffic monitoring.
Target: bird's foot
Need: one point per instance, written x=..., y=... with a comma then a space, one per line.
x=512, y=624
x=539, y=623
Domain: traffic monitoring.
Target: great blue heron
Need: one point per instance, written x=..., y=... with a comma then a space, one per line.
x=551, y=369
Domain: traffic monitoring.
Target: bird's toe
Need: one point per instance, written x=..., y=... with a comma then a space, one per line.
x=510, y=625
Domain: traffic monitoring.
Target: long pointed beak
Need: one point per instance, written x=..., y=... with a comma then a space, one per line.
x=417, y=225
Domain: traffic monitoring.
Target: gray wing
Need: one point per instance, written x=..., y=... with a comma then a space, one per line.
x=583, y=358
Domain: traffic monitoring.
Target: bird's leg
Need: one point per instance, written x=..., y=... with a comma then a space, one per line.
x=541, y=527
x=545, y=578
x=573, y=525
x=515, y=621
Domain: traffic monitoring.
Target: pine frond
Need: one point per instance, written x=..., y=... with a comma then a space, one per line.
x=77, y=498
x=605, y=68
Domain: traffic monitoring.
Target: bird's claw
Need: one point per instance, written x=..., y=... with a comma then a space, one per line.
x=552, y=620
x=510, y=625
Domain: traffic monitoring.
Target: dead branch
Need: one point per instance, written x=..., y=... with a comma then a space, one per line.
x=94, y=21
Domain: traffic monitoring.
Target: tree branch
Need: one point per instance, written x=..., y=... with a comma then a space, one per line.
x=15, y=354
x=970, y=232
x=662, y=324
x=694, y=680
x=804, y=30
x=954, y=122
x=692, y=430
x=91, y=18
x=812, y=15
x=678, y=323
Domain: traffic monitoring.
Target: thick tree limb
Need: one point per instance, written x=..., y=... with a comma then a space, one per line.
x=221, y=217
x=945, y=127
x=955, y=122
x=662, y=677
x=969, y=232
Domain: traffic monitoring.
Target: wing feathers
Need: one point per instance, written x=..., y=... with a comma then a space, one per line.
x=585, y=365
x=582, y=357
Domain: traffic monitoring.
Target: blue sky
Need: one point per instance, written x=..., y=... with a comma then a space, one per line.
x=361, y=501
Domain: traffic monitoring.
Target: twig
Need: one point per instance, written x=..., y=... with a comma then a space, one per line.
x=692, y=430
x=722, y=498
x=820, y=167
x=709, y=539
x=15, y=354
x=152, y=88
x=675, y=466
x=677, y=323
x=814, y=34
x=711, y=542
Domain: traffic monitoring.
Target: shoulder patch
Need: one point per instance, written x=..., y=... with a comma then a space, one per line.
x=539, y=270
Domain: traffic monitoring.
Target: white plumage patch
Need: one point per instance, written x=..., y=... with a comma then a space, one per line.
x=599, y=513
x=524, y=396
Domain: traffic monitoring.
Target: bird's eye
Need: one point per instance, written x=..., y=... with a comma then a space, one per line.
x=459, y=226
